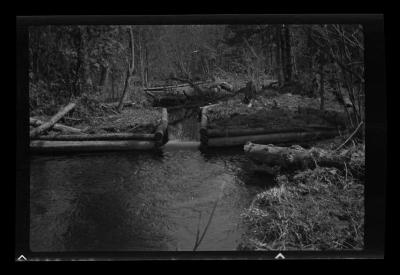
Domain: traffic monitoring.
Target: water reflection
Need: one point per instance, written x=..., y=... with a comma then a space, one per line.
x=131, y=201
x=141, y=200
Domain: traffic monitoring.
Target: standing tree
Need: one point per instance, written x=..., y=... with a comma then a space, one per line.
x=131, y=69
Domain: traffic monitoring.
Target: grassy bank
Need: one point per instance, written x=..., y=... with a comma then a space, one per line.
x=319, y=209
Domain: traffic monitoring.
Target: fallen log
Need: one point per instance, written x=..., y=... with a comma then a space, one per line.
x=160, y=88
x=52, y=121
x=161, y=132
x=57, y=126
x=293, y=157
x=89, y=146
x=108, y=136
x=270, y=138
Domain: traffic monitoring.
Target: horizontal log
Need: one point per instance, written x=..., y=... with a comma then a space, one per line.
x=259, y=131
x=108, y=136
x=270, y=138
x=173, y=86
x=89, y=146
x=246, y=132
x=57, y=126
x=293, y=157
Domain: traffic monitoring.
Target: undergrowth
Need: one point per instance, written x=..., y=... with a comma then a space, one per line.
x=319, y=209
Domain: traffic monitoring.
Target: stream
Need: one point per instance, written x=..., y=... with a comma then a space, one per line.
x=142, y=201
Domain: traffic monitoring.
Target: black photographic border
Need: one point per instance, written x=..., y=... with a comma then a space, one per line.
x=376, y=131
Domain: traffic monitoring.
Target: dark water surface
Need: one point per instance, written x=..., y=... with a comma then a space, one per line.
x=140, y=201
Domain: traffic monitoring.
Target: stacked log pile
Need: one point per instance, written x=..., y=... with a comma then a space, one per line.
x=73, y=139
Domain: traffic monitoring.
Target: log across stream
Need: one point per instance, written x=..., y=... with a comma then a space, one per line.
x=102, y=142
x=171, y=129
x=239, y=137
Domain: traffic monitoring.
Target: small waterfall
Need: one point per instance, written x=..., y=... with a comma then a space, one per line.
x=184, y=125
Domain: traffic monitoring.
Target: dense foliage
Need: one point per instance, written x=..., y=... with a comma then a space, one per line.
x=73, y=61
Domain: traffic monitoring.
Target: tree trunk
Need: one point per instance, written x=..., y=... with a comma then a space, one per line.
x=104, y=78
x=53, y=120
x=141, y=61
x=321, y=87
x=287, y=54
x=126, y=86
x=112, y=86
x=279, y=63
x=147, y=68
x=85, y=66
x=130, y=70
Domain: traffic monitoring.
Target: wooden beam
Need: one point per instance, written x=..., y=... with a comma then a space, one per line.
x=108, y=136
x=89, y=146
x=270, y=138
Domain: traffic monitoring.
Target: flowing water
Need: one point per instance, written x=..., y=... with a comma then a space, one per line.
x=139, y=201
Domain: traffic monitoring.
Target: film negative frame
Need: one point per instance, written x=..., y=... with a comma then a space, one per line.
x=376, y=131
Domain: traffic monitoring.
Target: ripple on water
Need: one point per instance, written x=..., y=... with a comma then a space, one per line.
x=138, y=201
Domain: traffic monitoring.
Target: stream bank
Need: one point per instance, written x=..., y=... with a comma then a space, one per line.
x=312, y=209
